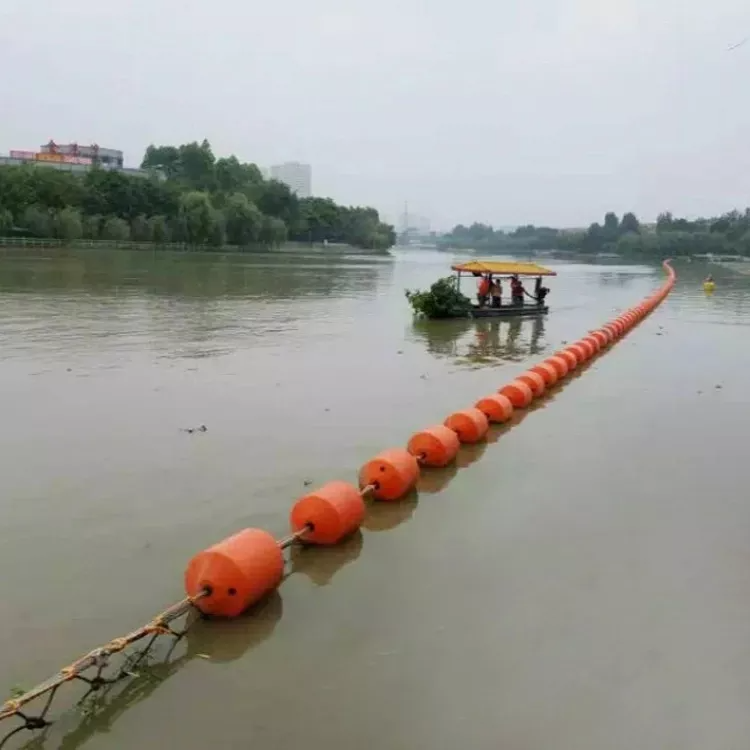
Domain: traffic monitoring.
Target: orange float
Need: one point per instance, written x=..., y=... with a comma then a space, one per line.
x=534, y=380
x=579, y=352
x=560, y=365
x=330, y=513
x=496, y=407
x=569, y=357
x=593, y=342
x=547, y=371
x=588, y=346
x=434, y=446
x=470, y=425
x=392, y=474
x=605, y=337
x=236, y=572
x=518, y=393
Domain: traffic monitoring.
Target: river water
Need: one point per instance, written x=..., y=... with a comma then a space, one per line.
x=578, y=582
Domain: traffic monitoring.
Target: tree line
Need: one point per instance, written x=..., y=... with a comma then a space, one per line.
x=197, y=200
x=728, y=234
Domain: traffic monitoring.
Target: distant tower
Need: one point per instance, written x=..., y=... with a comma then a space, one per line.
x=405, y=218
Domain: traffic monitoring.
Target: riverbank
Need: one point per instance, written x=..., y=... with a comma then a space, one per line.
x=332, y=248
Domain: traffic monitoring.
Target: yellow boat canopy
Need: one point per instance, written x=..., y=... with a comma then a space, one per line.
x=501, y=268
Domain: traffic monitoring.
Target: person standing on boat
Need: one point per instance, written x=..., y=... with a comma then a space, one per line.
x=516, y=290
x=483, y=289
x=496, y=292
x=540, y=292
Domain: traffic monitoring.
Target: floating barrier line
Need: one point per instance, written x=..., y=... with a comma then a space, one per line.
x=226, y=579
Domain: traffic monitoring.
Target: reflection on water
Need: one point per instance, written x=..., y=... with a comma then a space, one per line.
x=211, y=641
x=478, y=343
x=320, y=564
x=187, y=275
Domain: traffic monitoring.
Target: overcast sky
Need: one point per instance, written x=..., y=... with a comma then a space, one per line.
x=503, y=111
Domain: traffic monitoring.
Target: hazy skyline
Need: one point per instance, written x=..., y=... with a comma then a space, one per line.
x=507, y=113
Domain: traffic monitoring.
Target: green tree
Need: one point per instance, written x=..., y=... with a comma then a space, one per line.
x=276, y=199
x=92, y=226
x=158, y=228
x=37, y=221
x=67, y=224
x=115, y=228
x=6, y=222
x=629, y=223
x=164, y=158
x=611, y=226
x=244, y=221
x=140, y=229
x=198, y=218
x=443, y=300
x=273, y=232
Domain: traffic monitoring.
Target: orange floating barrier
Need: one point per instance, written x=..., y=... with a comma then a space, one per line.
x=392, y=474
x=496, y=407
x=518, y=393
x=434, y=446
x=560, y=364
x=534, y=380
x=330, y=513
x=470, y=425
x=237, y=572
x=547, y=371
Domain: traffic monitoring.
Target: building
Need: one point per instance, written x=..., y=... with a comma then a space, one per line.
x=297, y=176
x=94, y=154
x=71, y=157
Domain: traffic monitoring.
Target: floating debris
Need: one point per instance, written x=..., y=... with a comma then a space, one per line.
x=191, y=430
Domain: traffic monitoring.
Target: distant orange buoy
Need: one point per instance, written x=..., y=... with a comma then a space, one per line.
x=237, y=572
x=331, y=512
x=392, y=474
x=569, y=357
x=601, y=337
x=560, y=364
x=470, y=425
x=534, y=380
x=434, y=446
x=547, y=371
x=496, y=407
x=581, y=352
x=592, y=342
x=519, y=393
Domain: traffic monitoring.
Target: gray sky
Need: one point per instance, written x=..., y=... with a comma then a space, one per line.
x=551, y=111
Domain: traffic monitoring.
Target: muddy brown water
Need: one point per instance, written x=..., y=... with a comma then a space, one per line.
x=581, y=581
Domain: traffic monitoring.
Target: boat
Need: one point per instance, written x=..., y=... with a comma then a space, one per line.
x=503, y=270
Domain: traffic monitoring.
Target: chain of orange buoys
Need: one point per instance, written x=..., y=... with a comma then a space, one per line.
x=225, y=579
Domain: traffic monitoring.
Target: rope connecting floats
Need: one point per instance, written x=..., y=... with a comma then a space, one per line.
x=227, y=578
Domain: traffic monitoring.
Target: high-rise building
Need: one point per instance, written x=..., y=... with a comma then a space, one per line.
x=297, y=176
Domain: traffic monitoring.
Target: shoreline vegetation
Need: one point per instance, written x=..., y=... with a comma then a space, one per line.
x=726, y=235
x=193, y=201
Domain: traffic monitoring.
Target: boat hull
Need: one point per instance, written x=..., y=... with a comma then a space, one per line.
x=509, y=311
